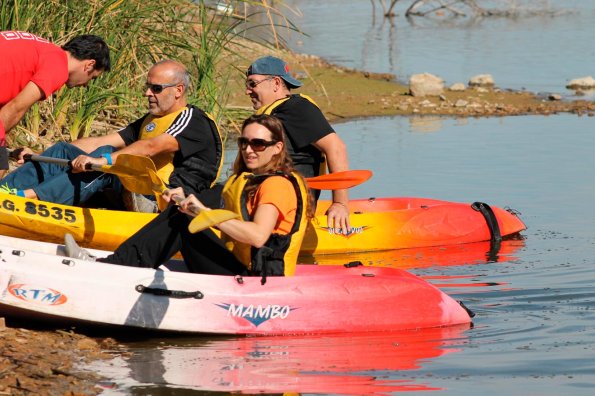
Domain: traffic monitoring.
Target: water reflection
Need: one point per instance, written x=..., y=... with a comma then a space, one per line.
x=435, y=256
x=426, y=124
x=346, y=364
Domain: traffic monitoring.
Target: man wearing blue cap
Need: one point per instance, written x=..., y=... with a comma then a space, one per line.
x=311, y=139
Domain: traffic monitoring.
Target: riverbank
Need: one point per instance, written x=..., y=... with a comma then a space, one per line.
x=48, y=361
x=345, y=94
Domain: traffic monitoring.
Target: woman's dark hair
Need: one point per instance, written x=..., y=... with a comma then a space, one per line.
x=88, y=46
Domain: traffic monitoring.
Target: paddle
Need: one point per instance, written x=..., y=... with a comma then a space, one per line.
x=332, y=181
x=339, y=180
x=203, y=219
x=131, y=170
x=157, y=188
x=208, y=218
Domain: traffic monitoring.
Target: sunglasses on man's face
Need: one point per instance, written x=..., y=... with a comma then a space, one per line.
x=255, y=144
x=251, y=84
x=158, y=88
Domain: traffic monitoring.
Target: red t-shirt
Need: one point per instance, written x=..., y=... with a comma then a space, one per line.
x=26, y=57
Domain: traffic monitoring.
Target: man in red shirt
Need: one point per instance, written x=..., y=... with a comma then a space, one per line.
x=32, y=69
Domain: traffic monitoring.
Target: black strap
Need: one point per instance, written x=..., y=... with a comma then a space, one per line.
x=169, y=293
x=490, y=218
x=352, y=264
x=469, y=312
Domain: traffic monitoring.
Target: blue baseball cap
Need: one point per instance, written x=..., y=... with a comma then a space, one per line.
x=271, y=66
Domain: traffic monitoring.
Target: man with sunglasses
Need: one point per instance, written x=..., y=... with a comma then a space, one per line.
x=312, y=142
x=182, y=140
x=32, y=69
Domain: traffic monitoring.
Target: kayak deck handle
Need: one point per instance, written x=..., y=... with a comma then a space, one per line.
x=490, y=218
x=19, y=253
x=169, y=293
x=352, y=264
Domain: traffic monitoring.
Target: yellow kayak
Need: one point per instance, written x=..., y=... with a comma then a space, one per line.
x=376, y=224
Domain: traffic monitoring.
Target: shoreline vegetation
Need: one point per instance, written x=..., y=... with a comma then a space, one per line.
x=217, y=48
x=53, y=361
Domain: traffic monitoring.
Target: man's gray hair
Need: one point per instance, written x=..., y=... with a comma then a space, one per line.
x=180, y=72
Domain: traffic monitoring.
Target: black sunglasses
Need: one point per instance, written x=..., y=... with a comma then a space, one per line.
x=158, y=88
x=255, y=144
x=251, y=84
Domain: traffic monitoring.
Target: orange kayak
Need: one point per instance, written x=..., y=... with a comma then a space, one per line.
x=398, y=223
x=376, y=224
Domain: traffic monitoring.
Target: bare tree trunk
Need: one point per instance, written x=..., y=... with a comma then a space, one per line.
x=454, y=7
x=387, y=11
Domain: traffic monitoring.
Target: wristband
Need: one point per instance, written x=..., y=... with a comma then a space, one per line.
x=108, y=157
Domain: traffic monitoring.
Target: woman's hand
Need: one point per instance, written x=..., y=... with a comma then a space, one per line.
x=191, y=205
x=173, y=194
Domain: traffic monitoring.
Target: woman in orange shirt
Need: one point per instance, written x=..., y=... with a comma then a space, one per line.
x=270, y=197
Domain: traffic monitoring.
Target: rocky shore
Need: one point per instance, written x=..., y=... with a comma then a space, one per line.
x=34, y=361
x=345, y=93
x=45, y=362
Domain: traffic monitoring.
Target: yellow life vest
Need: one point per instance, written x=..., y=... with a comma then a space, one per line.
x=154, y=126
x=279, y=254
x=269, y=109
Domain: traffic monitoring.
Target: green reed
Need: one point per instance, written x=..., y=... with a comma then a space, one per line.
x=139, y=33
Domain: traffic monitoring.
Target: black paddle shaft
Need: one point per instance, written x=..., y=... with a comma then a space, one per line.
x=49, y=160
x=52, y=160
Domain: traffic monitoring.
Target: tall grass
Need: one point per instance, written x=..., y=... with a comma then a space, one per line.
x=139, y=33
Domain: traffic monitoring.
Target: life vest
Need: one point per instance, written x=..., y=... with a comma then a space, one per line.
x=278, y=256
x=154, y=126
x=204, y=174
x=268, y=110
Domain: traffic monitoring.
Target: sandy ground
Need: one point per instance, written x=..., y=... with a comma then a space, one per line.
x=34, y=361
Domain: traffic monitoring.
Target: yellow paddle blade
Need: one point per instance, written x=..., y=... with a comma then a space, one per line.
x=209, y=218
x=132, y=171
x=134, y=184
x=138, y=163
x=157, y=188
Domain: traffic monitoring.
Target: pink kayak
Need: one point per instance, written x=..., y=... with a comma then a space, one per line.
x=36, y=281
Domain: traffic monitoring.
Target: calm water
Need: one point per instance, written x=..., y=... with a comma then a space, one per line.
x=534, y=333
x=540, y=53
x=534, y=328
